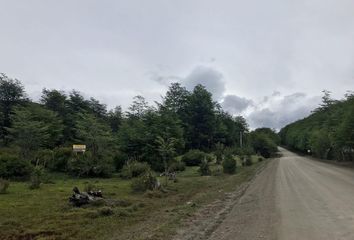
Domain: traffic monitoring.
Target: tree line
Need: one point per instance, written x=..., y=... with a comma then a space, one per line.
x=327, y=133
x=42, y=133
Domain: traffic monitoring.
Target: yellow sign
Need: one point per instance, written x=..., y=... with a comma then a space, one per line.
x=79, y=148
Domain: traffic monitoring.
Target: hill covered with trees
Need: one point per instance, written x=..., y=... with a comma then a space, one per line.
x=328, y=132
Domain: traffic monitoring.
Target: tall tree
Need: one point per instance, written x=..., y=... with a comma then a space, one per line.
x=11, y=93
x=55, y=100
x=94, y=133
x=139, y=107
x=29, y=133
x=115, y=118
x=176, y=98
x=201, y=118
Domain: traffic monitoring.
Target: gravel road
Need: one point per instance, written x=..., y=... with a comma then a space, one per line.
x=294, y=197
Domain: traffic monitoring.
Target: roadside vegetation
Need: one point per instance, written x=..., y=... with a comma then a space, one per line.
x=327, y=133
x=148, y=161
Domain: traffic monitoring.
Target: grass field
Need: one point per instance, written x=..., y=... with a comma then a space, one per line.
x=45, y=213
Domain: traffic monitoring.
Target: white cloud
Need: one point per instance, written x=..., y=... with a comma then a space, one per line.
x=235, y=104
x=279, y=111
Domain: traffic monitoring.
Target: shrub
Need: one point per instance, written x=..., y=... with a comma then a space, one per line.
x=36, y=177
x=248, y=161
x=145, y=182
x=260, y=159
x=217, y=171
x=219, y=152
x=229, y=164
x=4, y=185
x=85, y=165
x=119, y=160
x=61, y=157
x=194, y=157
x=177, y=166
x=204, y=168
x=134, y=169
x=11, y=166
x=44, y=157
x=246, y=150
x=263, y=145
x=80, y=165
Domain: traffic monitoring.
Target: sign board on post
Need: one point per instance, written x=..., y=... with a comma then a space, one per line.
x=79, y=148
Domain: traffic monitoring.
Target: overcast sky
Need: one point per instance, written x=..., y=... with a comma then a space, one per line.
x=266, y=60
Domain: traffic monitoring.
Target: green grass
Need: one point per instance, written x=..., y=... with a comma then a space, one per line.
x=45, y=213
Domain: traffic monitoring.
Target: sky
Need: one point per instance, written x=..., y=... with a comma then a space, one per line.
x=265, y=60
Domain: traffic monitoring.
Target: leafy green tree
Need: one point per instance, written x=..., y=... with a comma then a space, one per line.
x=94, y=133
x=344, y=138
x=115, y=118
x=263, y=143
x=176, y=100
x=53, y=122
x=320, y=143
x=11, y=94
x=55, y=100
x=201, y=119
x=139, y=107
x=28, y=133
x=96, y=108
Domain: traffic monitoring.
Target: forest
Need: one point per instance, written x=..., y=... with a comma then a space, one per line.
x=328, y=133
x=38, y=136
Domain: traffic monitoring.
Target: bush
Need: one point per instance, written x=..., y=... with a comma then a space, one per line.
x=194, y=157
x=177, y=166
x=119, y=160
x=263, y=145
x=36, y=177
x=246, y=150
x=84, y=165
x=145, y=182
x=61, y=157
x=134, y=169
x=248, y=161
x=4, y=185
x=229, y=164
x=44, y=157
x=11, y=166
x=217, y=171
x=204, y=168
x=260, y=159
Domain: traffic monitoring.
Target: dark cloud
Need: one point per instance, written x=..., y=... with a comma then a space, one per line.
x=235, y=104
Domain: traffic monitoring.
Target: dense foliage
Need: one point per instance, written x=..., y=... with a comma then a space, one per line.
x=187, y=123
x=327, y=133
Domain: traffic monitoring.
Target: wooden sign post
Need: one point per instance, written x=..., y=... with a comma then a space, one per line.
x=79, y=148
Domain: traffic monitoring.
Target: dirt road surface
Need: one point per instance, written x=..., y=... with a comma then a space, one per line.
x=294, y=197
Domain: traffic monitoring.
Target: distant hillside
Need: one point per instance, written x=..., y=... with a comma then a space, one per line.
x=328, y=132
